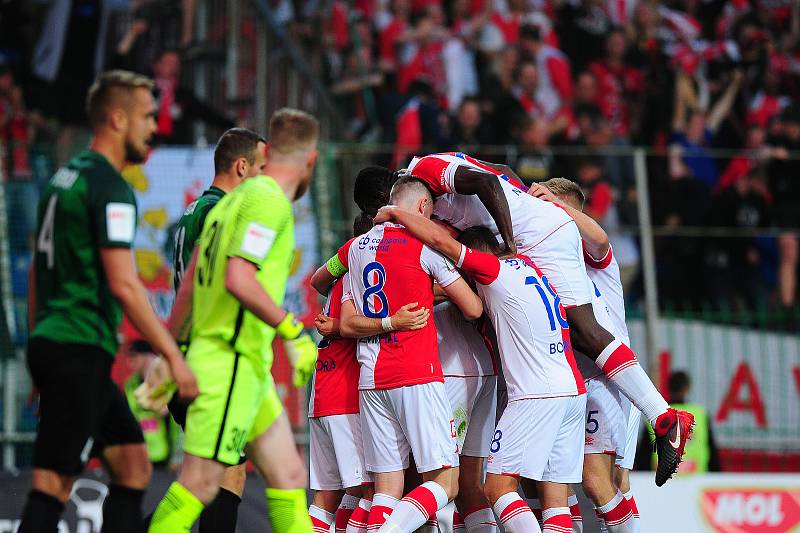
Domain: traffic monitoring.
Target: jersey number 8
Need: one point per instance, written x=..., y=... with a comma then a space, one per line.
x=379, y=309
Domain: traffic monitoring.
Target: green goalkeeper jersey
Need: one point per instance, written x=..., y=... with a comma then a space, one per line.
x=188, y=231
x=85, y=207
x=254, y=222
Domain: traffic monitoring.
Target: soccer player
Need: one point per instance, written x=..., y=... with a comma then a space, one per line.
x=240, y=153
x=82, y=280
x=470, y=193
x=336, y=450
x=404, y=407
x=610, y=415
x=470, y=380
x=545, y=389
x=239, y=275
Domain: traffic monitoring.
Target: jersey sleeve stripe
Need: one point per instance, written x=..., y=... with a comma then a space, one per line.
x=597, y=264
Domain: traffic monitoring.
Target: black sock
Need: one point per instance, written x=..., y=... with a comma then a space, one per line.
x=122, y=510
x=41, y=513
x=220, y=515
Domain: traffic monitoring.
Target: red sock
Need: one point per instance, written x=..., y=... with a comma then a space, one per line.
x=575, y=513
x=458, y=522
x=359, y=520
x=635, y=510
x=619, y=364
x=514, y=514
x=321, y=519
x=617, y=515
x=382, y=507
x=557, y=520
x=344, y=512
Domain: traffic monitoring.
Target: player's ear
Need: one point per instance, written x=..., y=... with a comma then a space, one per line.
x=312, y=159
x=241, y=167
x=118, y=118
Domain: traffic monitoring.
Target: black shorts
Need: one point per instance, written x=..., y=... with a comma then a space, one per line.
x=81, y=410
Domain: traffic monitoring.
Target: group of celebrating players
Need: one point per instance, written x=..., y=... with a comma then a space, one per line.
x=471, y=320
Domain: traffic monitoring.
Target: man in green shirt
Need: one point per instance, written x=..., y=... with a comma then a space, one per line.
x=240, y=153
x=239, y=273
x=82, y=280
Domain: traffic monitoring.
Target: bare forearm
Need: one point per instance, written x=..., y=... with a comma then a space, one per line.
x=495, y=202
x=255, y=299
x=594, y=237
x=428, y=232
x=357, y=326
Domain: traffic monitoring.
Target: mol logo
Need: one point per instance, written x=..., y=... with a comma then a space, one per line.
x=752, y=510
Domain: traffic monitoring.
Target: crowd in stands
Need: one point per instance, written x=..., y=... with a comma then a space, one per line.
x=552, y=87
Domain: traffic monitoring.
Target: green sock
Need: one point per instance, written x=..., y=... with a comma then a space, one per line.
x=288, y=510
x=178, y=511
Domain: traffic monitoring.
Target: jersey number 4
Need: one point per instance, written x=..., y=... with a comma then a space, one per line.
x=375, y=304
x=44, y=243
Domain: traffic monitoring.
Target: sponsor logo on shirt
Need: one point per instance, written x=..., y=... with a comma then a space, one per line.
x=257, y=240
x=120, y=222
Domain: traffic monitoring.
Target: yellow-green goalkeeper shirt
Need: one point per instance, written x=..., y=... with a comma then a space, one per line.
x=254, y=222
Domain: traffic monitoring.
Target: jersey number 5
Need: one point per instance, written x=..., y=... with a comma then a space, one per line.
x=379, y=309
x=44, y=243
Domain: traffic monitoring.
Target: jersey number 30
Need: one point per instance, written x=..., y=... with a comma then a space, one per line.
x=374, y=291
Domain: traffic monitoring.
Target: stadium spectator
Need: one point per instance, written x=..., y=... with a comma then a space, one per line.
x=734, y=261
x=554, y=89
x=785, y=191
x=693, y=130
x=535, y=159
x=469, y=129
x=177, y=106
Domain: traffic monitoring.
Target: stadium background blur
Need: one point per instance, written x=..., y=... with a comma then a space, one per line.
x=680, y=119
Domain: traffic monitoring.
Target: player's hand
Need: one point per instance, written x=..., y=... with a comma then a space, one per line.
x=302, y=354
x=542, y=192
x=385, y=214
x=326, y=326
x=157, y=388
x=406, y=320
x=184, y=380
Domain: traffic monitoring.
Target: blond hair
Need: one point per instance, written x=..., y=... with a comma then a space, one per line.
x=112, y=88
x=566, y=188
x=292, y=131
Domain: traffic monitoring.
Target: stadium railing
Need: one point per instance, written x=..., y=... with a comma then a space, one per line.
x=686, y=310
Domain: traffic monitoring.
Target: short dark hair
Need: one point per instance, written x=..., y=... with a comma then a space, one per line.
x=372, y=187
x=112, y=88
x=362, y=223
x=678, y=382
x=480, y=238
x=236, y=143
x=529, y=31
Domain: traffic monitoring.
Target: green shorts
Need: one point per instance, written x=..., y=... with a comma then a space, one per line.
x=236, y=403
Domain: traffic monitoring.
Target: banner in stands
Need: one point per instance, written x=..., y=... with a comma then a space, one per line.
x=165, y=184
x=724, y=503
x=748, y=380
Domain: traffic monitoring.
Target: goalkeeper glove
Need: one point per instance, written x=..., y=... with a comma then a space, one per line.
x=301, y=349
x=157, y=388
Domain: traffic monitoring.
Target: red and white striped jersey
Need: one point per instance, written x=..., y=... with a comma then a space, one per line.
x=533, y=220
x=389, y=268
x=335, y=387
x=531, y=325
x=462, y=350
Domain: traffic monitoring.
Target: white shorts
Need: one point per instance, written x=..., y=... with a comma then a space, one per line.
x=414, y=419
x=560, y=258
x=631, y=438
x=606, y=418
x=540, y=439
x=474, y=404
x=336, y=453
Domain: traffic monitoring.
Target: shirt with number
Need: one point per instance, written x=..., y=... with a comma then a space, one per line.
x=462, y=349
x=86, y=207
x=532, y=219
x=608, y=304
x=531, y=325
x=389, y=268
x=255, y=223
x=335, y=387
x=188, y=231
